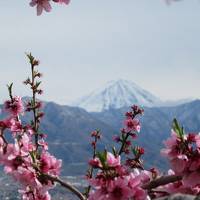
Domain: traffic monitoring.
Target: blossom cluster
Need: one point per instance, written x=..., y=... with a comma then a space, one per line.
x=114, y=182
x=25, y=156
x=130, y=130
x=45, y=4
x=183, y=153
x=117, y=180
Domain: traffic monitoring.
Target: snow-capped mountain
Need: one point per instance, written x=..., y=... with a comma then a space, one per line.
x=117, y=94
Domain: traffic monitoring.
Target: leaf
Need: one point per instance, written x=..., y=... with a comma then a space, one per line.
x=10, y=90
x=38, y=83
x=102, y=157
x=123, y=137
x=30, y=57
x=32, y=156
x=10, y=87
x=135, y=151
x=179, y=130
x=114, y=151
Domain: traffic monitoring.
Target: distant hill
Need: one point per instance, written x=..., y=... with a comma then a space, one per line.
x=68, y=130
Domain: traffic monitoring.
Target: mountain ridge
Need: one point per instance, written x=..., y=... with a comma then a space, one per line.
x=69, y=128
x=122, y=93
x=117, y=94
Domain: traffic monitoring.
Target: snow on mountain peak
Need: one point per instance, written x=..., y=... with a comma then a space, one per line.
x=117, y=94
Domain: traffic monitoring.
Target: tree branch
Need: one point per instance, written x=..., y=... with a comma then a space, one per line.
x=66, y=185
x=123, y=144
x=163, y=180
x=2, y=136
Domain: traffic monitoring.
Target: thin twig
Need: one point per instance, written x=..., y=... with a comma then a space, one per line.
x=91, y=170
x=34, y=104
x=2, y=136
x=123, y=144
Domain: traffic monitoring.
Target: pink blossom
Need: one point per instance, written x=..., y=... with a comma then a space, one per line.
x=34, y=194
x=95, y=163
x=26, y=176
x=49, y=164
x=1, y=146
x=174, y=188
x=197, y=140
x=11, y=158
x=122, y=187
x=184, y=156
x=26, y=145
x=62, y=1
x=191, y=137
x=15, y=125
x=45, y=5
x=14, y=106
x=116, y=138
x=116, y=189
x=195, y=165
x=6, y=123
x=170, y=172
x=172, y=141
x=41, y=5
x=192, y=179
x=171, y=146
x=28, y=129
x=119, y=189
x=44, y=144
x=132, y=125
x=136, y=180
x=178, y=165
x=112, y=161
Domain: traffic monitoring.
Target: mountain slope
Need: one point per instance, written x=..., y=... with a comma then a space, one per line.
x=117, y=94
x=68, y=130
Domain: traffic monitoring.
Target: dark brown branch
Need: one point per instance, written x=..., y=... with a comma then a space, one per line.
x=123, y=144
x=1, y=131
x=163, y=180
x=34, y=105
x=91, y=170
x=2, y=136
x=66, y=185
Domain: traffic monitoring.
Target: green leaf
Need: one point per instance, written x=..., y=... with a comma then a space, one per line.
x=178, y=129
x=123, y=137
x=10, y=90
x=135, y=151
x=10, y=87
x=114, y=151
x=102, y=157
x=32, y=156
x=38, y=83
x=30, y=57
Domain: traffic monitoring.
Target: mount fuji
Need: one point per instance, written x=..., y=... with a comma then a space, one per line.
x=117, y=94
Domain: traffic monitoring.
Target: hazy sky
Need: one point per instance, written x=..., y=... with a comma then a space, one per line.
x=90, y=42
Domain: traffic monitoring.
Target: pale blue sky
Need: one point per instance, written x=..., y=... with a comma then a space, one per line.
x=90, y=42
